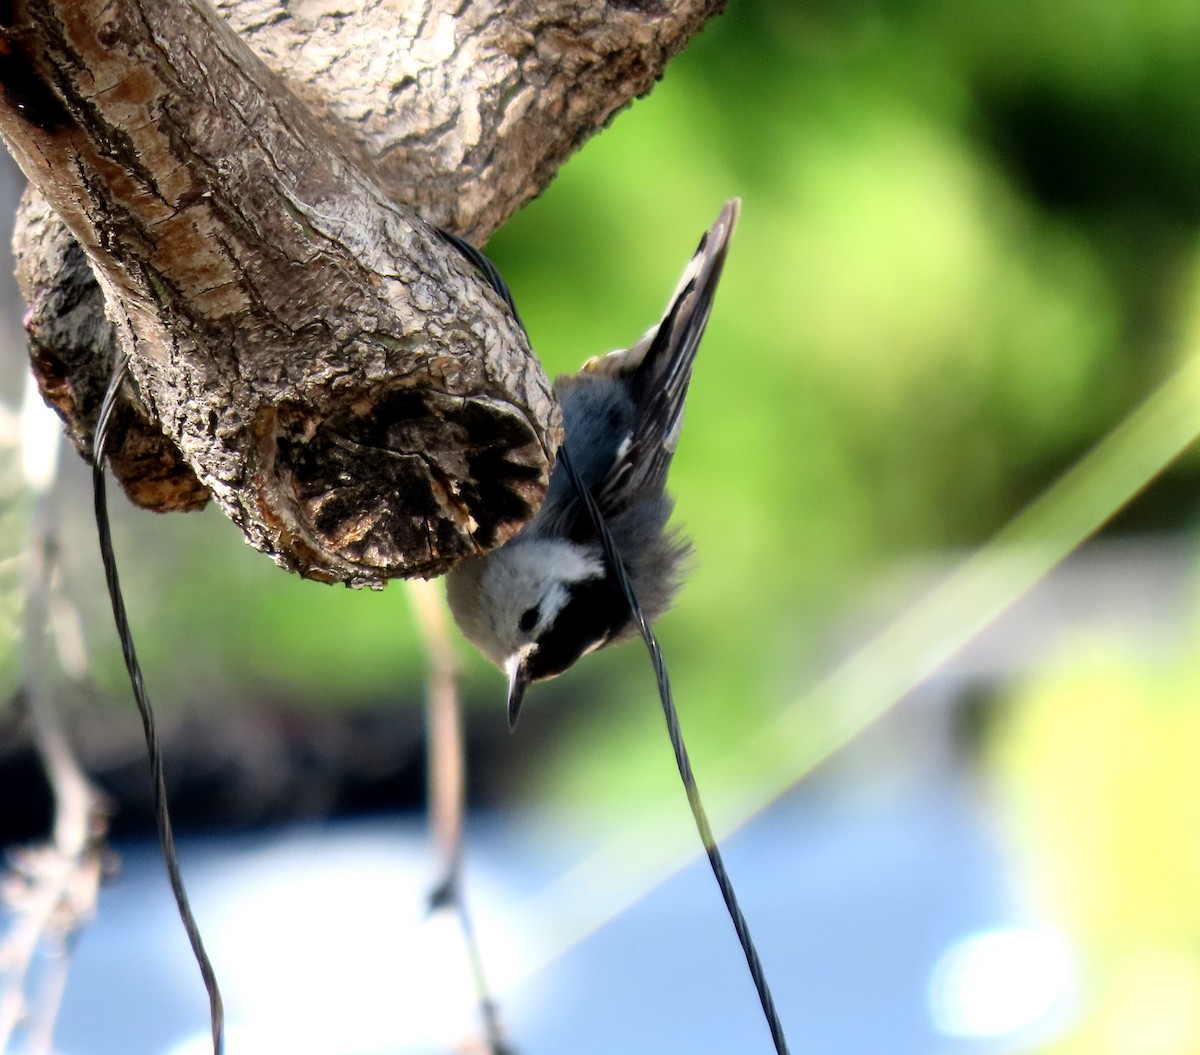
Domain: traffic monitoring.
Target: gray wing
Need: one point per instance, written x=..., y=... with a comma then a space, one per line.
x=658, y=369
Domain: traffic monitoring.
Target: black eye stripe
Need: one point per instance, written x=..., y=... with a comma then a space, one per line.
x=595, y=611
x=528, y=620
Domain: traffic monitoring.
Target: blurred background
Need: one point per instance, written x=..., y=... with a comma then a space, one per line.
x=968, y=255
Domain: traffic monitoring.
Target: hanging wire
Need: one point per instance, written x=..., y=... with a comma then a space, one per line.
x=166, y=837
x=670, y=713
x=757, y=974
x=483, y=263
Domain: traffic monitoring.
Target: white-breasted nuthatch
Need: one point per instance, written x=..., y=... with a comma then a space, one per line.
x=548, y=596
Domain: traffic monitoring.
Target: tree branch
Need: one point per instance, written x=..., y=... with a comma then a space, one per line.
x=306, y=350
x=468, y=110
x=329, y=367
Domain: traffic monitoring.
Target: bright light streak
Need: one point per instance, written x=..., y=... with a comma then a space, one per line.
x=1003, y=982
x=41, y=438
x=853, y=696
x=324, y=945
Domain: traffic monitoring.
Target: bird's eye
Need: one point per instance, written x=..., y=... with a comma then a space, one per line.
x=528, y=620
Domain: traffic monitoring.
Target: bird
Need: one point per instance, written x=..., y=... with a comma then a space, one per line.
x=548, y=596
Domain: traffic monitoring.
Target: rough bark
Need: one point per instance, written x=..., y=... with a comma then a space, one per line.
x=306, y=349
x=466, y=110
x=70, y=341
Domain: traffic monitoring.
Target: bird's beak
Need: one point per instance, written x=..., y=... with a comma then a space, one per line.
x=518, y=681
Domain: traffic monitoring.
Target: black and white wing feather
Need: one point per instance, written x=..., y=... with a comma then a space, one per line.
x=658, y=369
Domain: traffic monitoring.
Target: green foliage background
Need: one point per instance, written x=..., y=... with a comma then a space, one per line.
x=968, y=250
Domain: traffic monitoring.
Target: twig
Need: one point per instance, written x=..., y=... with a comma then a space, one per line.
x=443, y=724
x=52, y=888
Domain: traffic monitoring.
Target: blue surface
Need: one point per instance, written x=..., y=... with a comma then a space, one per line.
x=319, y=937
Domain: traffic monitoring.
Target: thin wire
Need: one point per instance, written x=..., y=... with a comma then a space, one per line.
x=684, y=763
x=490, y=272
x=166, y=837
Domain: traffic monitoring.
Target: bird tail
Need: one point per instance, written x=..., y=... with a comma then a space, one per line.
x=682, y=324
